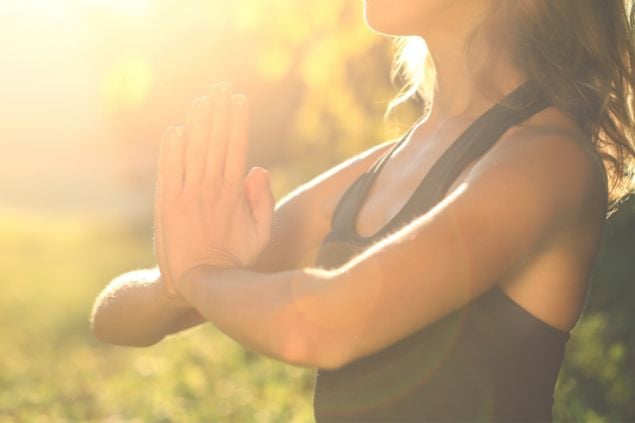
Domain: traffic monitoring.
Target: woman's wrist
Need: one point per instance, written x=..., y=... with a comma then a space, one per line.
x=171, y=301
x=190, y=282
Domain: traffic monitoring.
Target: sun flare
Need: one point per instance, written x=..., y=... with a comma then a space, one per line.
x=132, y=8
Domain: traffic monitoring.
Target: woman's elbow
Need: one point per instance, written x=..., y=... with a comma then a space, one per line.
x=114, y=333
x=310, y=345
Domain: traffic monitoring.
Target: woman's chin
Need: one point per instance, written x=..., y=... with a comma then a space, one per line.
x=384, y=28
x=388, y=31
x=381, y=22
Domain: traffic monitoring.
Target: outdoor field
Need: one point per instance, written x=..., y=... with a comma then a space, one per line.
x=52, y=368
x=88, y=90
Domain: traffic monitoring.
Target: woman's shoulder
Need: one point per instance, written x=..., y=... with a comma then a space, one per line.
x=555, y=147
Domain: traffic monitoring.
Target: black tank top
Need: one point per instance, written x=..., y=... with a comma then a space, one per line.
x=490, y=360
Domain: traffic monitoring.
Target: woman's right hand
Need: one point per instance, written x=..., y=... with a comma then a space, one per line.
x=207, y=212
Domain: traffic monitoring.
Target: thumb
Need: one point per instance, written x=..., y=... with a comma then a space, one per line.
x=261, y=200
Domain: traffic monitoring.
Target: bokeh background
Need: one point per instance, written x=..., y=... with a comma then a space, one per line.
x=86, y=89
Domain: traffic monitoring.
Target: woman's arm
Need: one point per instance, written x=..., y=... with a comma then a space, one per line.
x=133, y=310
x=302, y=218
x=511, y=203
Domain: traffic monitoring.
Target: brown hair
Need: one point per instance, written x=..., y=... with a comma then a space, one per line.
x=581, y=53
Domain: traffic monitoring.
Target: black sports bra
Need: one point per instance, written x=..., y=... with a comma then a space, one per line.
x=490, y=360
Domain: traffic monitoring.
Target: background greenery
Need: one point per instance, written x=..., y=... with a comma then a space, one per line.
x=88, y=90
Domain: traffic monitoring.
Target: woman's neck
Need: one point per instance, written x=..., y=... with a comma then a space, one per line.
x=459, y=95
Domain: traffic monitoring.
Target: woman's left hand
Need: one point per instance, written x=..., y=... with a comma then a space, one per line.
x=206, y=210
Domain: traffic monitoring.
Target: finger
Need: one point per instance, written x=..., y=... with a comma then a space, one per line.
x=161, y=165
x=238, y=136
x=158, y=210
x=174, y=163
x=161, y=176
x=160, y=185
x=218, y=135
x=197, y=131
x=261, y=201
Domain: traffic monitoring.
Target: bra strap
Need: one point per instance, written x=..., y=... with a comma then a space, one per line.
x=519, y=106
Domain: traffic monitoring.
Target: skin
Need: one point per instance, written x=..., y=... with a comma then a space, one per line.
x=539, y=248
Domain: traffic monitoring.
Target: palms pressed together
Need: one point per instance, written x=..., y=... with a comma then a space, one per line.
x=207, y=212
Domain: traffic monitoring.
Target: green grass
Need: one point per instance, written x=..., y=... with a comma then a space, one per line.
x=51, y=367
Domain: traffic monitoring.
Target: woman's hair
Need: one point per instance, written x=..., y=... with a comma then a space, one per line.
x=580, y=52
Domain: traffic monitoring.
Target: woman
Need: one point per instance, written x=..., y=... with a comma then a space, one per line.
x=451, y=264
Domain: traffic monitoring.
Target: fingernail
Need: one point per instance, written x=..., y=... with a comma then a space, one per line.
x=239, y=101
x=224, y=88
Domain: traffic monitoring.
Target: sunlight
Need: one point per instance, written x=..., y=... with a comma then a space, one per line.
x=127, y=83
x=415, y=52
x=416, y=64
x=132, y=8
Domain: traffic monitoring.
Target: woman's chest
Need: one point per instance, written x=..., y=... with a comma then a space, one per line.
x=398, y=185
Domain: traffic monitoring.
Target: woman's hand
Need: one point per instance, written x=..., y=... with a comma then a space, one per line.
x=206, y=211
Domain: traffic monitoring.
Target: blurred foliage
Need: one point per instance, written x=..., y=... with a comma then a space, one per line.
x=318, y=83
x=52, y=369
x=317, y=80
x=597, y=382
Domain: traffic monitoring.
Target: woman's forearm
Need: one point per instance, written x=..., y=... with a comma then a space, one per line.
x=134, y=311
x=270, y=313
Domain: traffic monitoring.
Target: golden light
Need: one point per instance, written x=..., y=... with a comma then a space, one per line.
x=127, y=83
x=132, y=8
x=417, y=63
